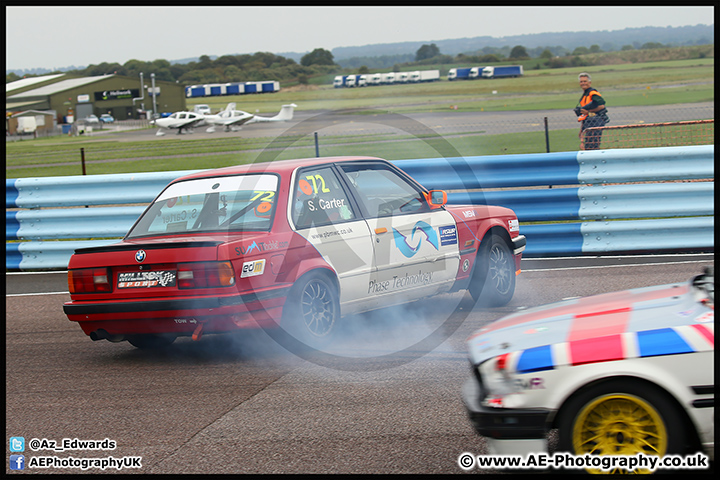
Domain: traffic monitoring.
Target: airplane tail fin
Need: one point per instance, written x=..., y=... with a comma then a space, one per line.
x=286, y=112
x=230, y=107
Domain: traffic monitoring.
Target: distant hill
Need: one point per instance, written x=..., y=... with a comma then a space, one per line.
x=405, y=51
x=607, y=40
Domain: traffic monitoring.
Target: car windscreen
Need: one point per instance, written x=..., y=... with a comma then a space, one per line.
x=216, y=204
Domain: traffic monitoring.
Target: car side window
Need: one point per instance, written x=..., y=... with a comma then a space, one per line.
x=383, y=192
x=319, y=199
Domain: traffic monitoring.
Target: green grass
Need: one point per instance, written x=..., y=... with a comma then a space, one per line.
x=537, y=89
x=652, y=83
x=227, y=152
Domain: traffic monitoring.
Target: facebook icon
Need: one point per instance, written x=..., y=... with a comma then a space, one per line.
x=17, y=462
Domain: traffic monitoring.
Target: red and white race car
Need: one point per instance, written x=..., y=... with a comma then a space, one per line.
x=622, y=374
x=294, y=243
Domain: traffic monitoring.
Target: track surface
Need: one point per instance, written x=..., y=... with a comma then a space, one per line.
x=244, y=404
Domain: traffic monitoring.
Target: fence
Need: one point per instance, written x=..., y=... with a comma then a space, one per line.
x=608, y=201
x=668, y=134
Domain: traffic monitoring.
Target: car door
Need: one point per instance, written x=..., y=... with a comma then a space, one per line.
x=415, y=247
x=328, y=218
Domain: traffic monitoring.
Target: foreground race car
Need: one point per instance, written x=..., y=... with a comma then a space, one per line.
x=294, y=243
x=618, y=374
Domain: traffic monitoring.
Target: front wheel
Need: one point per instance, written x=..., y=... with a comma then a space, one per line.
x=313, y=308
x=493, y=280
x=622, y=417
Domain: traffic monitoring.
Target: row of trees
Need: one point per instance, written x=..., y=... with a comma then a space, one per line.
x=227, y=68
x=430, y=54
x=268, y=66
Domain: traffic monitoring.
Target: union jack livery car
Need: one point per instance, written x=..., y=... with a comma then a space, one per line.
x=291, y=243
x=617, y=374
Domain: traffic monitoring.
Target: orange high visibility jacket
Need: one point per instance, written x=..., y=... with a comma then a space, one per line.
x=587, y=98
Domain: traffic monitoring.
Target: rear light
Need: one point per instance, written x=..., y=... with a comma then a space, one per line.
x=89, y=280
x=205, y=275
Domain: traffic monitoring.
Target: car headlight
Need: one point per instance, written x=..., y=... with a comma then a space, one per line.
x=500, y=381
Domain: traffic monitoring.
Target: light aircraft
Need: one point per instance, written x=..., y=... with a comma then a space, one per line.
x=233, y=119
x=179, y=120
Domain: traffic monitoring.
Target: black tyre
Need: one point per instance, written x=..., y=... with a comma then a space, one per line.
x=622, y=417
x=150, y=341
x=493, y=280
x=312, y=309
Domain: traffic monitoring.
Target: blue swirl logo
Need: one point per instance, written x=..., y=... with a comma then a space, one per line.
x=423, y=230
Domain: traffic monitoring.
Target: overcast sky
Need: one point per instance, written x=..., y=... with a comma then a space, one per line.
x=56, y=37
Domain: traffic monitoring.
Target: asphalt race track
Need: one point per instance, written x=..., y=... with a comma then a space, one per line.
x=383, y=402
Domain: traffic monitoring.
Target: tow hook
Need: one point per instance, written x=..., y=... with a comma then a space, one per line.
x=198, y=331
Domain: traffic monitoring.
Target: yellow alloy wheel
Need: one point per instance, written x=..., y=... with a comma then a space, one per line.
x=619, y=424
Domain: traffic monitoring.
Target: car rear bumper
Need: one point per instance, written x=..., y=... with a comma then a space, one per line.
x=176, y=304
x=180, y=316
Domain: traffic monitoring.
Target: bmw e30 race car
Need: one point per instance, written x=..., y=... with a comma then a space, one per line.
x=292, y=243
x=621, y=373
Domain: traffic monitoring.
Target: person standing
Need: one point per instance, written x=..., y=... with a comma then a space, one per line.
x=591, y=112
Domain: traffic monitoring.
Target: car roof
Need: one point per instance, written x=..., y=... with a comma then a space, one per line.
x=278, y=166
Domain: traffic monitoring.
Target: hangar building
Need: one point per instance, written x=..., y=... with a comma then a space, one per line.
x=74, y=98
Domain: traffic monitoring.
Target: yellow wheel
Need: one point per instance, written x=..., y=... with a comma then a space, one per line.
x=619, y=424
x=621, y=418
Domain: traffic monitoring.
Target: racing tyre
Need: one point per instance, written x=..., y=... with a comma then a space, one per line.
x=150, y=341
x=312, y=309
x=622, y=417
x=493, y=280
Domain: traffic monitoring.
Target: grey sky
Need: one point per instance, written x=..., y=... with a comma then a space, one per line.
x=55, y=37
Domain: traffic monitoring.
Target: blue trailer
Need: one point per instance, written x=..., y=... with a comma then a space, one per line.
x=195, y=91
x=221, y=89
x=269, y=86
x=459, y=73
x=503, y=72
x=235, y=89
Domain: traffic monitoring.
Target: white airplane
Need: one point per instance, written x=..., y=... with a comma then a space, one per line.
x=179, y=120
x=233, y=119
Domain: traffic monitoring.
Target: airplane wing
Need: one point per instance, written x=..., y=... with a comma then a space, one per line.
x=233, y=118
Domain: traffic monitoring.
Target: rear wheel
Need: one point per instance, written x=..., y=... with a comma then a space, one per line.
x=313, y=308
x=493, y=280
x=621, y=418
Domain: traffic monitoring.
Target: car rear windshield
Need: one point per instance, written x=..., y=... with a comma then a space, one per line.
x=216, y=204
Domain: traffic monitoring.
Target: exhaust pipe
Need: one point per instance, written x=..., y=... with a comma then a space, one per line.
x=102, y=334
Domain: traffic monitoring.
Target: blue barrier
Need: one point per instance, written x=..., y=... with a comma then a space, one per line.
x=556, y=187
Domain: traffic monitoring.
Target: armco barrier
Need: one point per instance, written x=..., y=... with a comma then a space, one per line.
x=53, y=216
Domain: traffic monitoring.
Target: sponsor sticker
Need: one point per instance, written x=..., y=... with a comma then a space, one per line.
x=513, y=225
x=253, y=269
x=157, y=278
x=448, y=235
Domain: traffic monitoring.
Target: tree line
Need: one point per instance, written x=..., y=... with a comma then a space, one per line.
x=227, y=68
x=268, y=66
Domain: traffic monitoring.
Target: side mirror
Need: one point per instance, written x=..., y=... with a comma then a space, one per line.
x=436, y=198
